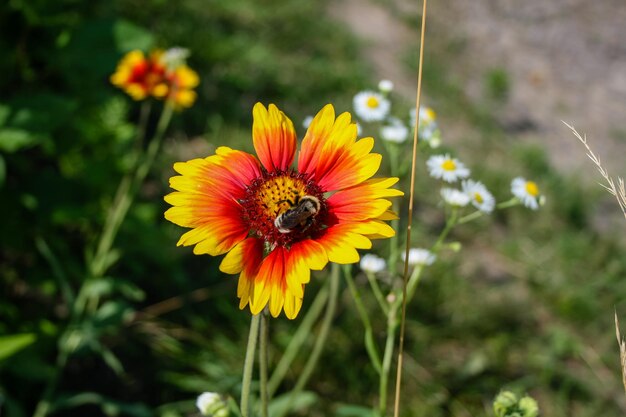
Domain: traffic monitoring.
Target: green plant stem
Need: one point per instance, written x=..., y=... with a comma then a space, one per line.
x=370, y=345
x=248, y=365
x=125, y=194
x=320, y=341
x=394, y=249
x=299, y=338
x=392, y=326
x=44, y=405
x=450, y=223
x=414, y=279
x=99, y=263
x=263, y=359
x=377, y=292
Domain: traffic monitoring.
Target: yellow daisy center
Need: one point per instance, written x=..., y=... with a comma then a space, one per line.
x=532, y=189
x=372, y=102
x=448, y=165
x=478, y=198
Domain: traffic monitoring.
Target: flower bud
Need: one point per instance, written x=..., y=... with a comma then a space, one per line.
x=503, y=402
x=212, y=404
x=528, y=407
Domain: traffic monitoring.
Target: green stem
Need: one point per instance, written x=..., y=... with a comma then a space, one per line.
x=299, y=338
x=99, y=263
x=263, y=360
x=377, y=292
x=394, y=249
x=450, y=223
x=125, y=194
x=320, y=341
x=509, y=203
x=44, y=405
x=248, y=364
x=392, y=326
x=370, y=345
x=414, y=279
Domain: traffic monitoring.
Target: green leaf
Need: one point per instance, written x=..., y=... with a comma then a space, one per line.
x=128, y=36
x=112, y=313
x=11, y=344
x=299, y=402
x=5, y=111
x=351, y=410
x=13, y=139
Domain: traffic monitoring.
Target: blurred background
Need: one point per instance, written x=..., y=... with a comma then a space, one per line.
x=527, y=304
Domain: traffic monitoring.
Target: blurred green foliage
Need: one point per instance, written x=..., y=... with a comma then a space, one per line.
x=519, y=304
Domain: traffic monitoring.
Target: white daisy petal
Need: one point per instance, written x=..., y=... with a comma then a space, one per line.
x=307, y=122
x=447, y=168
x=370, y=106
x=527, y=192
x=480, y=197
x=385, y=86
x=394, y=131
x=455, y=197
x=372, y=263
x=419, y=256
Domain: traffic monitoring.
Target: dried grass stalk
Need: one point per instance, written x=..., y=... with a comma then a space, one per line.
x=618, y=190
x=622, y=351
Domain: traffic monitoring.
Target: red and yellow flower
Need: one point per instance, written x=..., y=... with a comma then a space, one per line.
x=231, y=201
x=142, y=76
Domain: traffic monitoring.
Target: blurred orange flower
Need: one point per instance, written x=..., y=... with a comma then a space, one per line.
x=162, y=74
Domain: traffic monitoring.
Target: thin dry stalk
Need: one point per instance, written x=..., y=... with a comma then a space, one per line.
x=622, y=351
x=618, y=191
x=396, y=403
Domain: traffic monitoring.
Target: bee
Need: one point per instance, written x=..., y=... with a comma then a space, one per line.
x=300, y=215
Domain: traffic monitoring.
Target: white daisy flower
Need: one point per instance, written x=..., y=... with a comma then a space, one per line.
x=307, y=121
x=372, y=263
x=211, y=404
x=447, y=168
x=527, y=192
x=385, y=86
x=455, y=197
x=359, y=129
x=428, y=128
x=395, y=131
x=419, y=256
x=370, y=106
x=480, y=197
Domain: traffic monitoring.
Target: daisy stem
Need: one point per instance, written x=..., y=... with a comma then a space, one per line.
x=263, y=360
x=377, y=292
x=320, y=341
x=392, y=326
x=300, y=336
x=248, y=365
x=413, y=281
x=470, y=217
x=370, y=345
x=500, y=206
x=509, y=203
x=450, y=223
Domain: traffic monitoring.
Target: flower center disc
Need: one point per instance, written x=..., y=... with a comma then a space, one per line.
x=372, y=102
x=532, y=189
x=448, y=165
x=273, y=194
